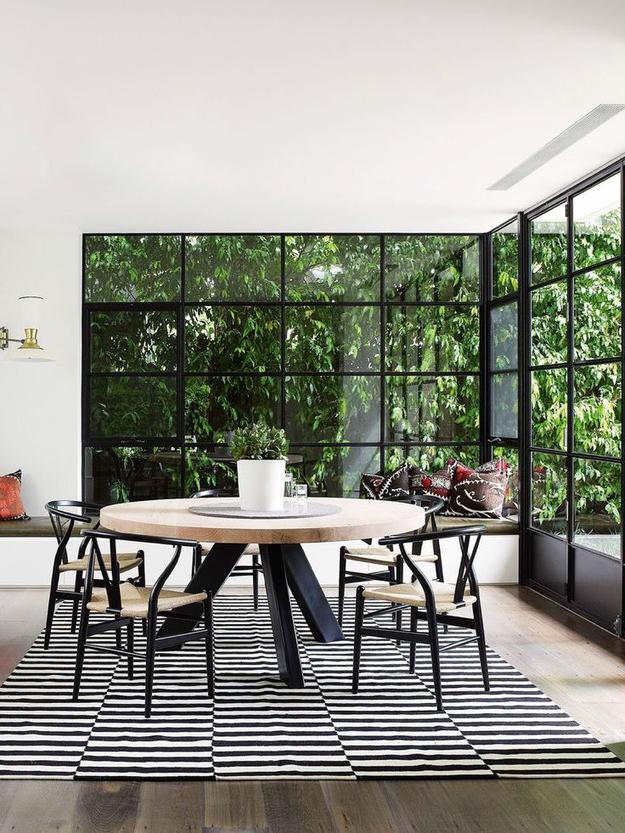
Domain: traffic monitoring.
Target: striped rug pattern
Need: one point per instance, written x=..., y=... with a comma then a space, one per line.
x=256, y=728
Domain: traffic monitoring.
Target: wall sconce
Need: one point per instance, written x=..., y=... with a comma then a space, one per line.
x=29, y=347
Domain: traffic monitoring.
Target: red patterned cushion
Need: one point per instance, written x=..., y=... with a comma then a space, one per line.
x=437, y=484
x=394, y=486
x=11, y=506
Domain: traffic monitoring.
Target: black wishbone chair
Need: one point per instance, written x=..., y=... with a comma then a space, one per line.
x=126, y=601
x=254, y=569
x=64, y=514
x=384, y=556
x=429, y=601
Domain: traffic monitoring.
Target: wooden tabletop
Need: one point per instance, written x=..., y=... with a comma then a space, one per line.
x=355, y=519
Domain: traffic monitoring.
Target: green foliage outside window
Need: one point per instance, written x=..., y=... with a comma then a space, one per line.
x=505, y=243
x=132, y=268
x=597, y=400
x=233, y=325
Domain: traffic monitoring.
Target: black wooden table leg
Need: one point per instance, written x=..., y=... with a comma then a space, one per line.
x=285, y=638
x=309, y=595
x=213, y=571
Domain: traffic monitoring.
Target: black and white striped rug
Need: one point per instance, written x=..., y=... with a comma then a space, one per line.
x=258, y=729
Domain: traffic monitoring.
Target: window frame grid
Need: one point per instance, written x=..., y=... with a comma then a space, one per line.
x=180, y=442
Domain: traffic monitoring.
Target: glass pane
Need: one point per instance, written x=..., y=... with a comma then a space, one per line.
x=504, y=334
x=432, y=338
x=331, y=338
x=232, y=267
x=504, y=393
x=597, y=409
x=430, y=410
x=549, y=502
x=432, y=267
x=132, y=267
x=597, y=223
x=116, y=475
x=133, y=341
x=430, y=457
x=505, y=244
x=598, y=506
x=549, y=398
x=233, y=338
x=332, y=267
x=216, y=405
x=513, y=491
x=597, y=329
x=549, y=324
x=132, y=406
x=549, y=253
x=333, y=409
x=206, y=468
x=335, y=472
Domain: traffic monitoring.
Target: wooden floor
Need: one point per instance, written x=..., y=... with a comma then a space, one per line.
x=579, y=666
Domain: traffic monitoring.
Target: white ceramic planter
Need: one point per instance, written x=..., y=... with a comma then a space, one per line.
x=261, y=485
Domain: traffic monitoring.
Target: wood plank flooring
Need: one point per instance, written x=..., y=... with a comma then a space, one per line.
x=579, y=666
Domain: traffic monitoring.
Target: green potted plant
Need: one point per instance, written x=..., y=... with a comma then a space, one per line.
x=260, y=452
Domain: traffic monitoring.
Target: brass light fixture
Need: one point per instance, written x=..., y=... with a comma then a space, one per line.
x=29, y=347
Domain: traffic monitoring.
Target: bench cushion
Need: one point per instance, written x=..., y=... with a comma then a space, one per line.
x=494, y=526
x=37, y=527
x=40, y=527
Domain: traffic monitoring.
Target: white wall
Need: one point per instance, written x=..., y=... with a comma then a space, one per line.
x=40, y=402
x=27, y=561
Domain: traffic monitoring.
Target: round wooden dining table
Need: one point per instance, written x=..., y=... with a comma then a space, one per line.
x=284, y=562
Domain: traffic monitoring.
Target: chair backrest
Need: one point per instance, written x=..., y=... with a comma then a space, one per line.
x=430, y=504
x=464, y=534
x=111, y=575
x=206, y=493
x=63, y=516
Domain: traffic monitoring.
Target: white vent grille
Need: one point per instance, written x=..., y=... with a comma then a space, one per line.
x=582, y=127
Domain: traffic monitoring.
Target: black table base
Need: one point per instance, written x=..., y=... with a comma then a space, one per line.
x=284, y=566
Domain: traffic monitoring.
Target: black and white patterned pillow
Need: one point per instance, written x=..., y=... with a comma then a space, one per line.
x=479, y=495
x=395, y=486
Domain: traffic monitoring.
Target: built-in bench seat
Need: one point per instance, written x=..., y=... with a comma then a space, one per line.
x=37, y=527
x=40, y=526
x=494, y=526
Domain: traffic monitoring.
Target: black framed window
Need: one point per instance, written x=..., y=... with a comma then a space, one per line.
x=501, y=355
x=572, y=336
x=366, y=348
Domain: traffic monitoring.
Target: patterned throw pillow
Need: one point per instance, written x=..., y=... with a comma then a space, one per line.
x=479, y=493
x=394, y=486
x=437, y=484
x=11, y=506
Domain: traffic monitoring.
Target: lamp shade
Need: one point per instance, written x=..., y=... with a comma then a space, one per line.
x=30, y=309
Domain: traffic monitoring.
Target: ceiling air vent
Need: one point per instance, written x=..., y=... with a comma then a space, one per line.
x=576, y=131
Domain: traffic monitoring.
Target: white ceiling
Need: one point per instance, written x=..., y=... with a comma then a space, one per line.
x=284, y=115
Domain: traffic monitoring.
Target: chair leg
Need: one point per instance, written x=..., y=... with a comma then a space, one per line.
x=210, y=646
x=80, y=651
x=414, y=625
x=141, y=583
x=399, y=578
x=438, y=564
x=436, y=657
x=360, y=609
x=76, y=602
x=255, y=568
x=150, y=655
x=130, y=645
x=342, y=570
x=54, y=583
x=481, y=642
